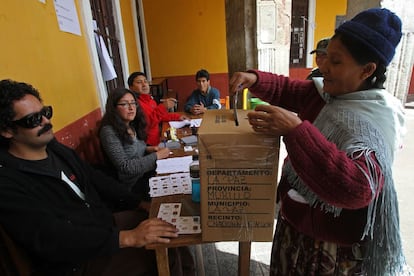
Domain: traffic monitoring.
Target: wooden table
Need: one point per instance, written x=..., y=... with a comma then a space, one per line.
x=189, y=208
x=181, y=132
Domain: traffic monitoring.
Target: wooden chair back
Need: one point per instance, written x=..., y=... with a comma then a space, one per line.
x=89, y=148
x=13, y=259
x=225, y=102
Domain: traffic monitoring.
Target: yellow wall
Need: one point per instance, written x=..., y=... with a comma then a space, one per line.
x=184, y=36
x=129, y=33
x=325, y=17
x=34, y=50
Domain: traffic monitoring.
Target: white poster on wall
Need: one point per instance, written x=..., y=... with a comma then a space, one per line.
x=67, y=16
x=105, y=60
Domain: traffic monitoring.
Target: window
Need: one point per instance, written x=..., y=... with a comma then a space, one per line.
x=299, y=30
x=102, y=13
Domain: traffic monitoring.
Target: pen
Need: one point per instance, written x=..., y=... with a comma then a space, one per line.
x=236, y=121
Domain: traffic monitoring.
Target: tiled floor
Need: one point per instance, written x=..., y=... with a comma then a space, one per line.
x=221, y=259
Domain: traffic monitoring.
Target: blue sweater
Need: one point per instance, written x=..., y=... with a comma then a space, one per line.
x=211, y=100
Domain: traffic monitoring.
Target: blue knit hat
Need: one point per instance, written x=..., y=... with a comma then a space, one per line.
x=378, y=29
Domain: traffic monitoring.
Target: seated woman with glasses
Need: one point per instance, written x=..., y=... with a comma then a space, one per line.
x=122, y=135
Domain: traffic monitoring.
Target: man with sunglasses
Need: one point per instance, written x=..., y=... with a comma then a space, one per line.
x=56, y=206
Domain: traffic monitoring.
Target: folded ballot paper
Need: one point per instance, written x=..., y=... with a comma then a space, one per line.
x=189, y=123
x=174, y=165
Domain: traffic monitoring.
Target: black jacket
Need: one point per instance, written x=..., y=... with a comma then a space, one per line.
x=314, y=74
x=45, y=216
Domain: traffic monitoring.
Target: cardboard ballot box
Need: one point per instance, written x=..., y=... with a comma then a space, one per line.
x=238, y=171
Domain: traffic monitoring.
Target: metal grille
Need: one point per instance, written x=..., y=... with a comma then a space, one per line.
x=102, y=13
x=299, y=30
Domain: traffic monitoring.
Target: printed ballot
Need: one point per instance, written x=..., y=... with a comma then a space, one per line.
x=177, y=183
x=170, y=212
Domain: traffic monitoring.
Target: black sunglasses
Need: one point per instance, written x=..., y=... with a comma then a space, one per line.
x=35, y=119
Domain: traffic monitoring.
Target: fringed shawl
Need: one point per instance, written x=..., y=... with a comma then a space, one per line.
x=361, y=123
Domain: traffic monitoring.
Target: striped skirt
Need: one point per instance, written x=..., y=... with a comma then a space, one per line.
x=294, y=253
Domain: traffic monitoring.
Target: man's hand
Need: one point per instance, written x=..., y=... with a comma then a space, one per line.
x=169, y=103
x=149, y=231
x=184, y=117
x=198, y=109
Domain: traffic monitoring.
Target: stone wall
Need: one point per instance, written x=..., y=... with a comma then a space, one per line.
x=245, y=51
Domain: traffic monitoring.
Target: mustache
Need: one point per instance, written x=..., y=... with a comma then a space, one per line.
x=46, y=128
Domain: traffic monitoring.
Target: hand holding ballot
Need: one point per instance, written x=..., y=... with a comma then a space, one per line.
x=273, y=120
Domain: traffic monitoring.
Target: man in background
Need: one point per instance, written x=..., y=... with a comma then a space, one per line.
x=204, y=97
x=320, y=55
x=155, y=113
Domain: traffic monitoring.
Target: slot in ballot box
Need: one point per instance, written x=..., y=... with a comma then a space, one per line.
x=238, y=173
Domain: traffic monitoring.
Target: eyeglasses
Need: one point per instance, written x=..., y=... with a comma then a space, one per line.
x=35, y=119
x=128, y=105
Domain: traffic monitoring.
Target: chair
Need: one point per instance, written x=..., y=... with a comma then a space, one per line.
x=13, y=260
x=225, y=102
x=89, y=148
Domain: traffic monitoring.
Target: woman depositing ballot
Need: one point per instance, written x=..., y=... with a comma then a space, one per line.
x=338, y=206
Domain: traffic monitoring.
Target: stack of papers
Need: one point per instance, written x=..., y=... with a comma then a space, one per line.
x=174, y=165
x=170, y=212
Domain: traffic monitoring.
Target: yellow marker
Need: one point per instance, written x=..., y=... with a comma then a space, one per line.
x=245, y=91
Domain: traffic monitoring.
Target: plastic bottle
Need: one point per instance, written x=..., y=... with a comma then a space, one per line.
x=195, y=179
